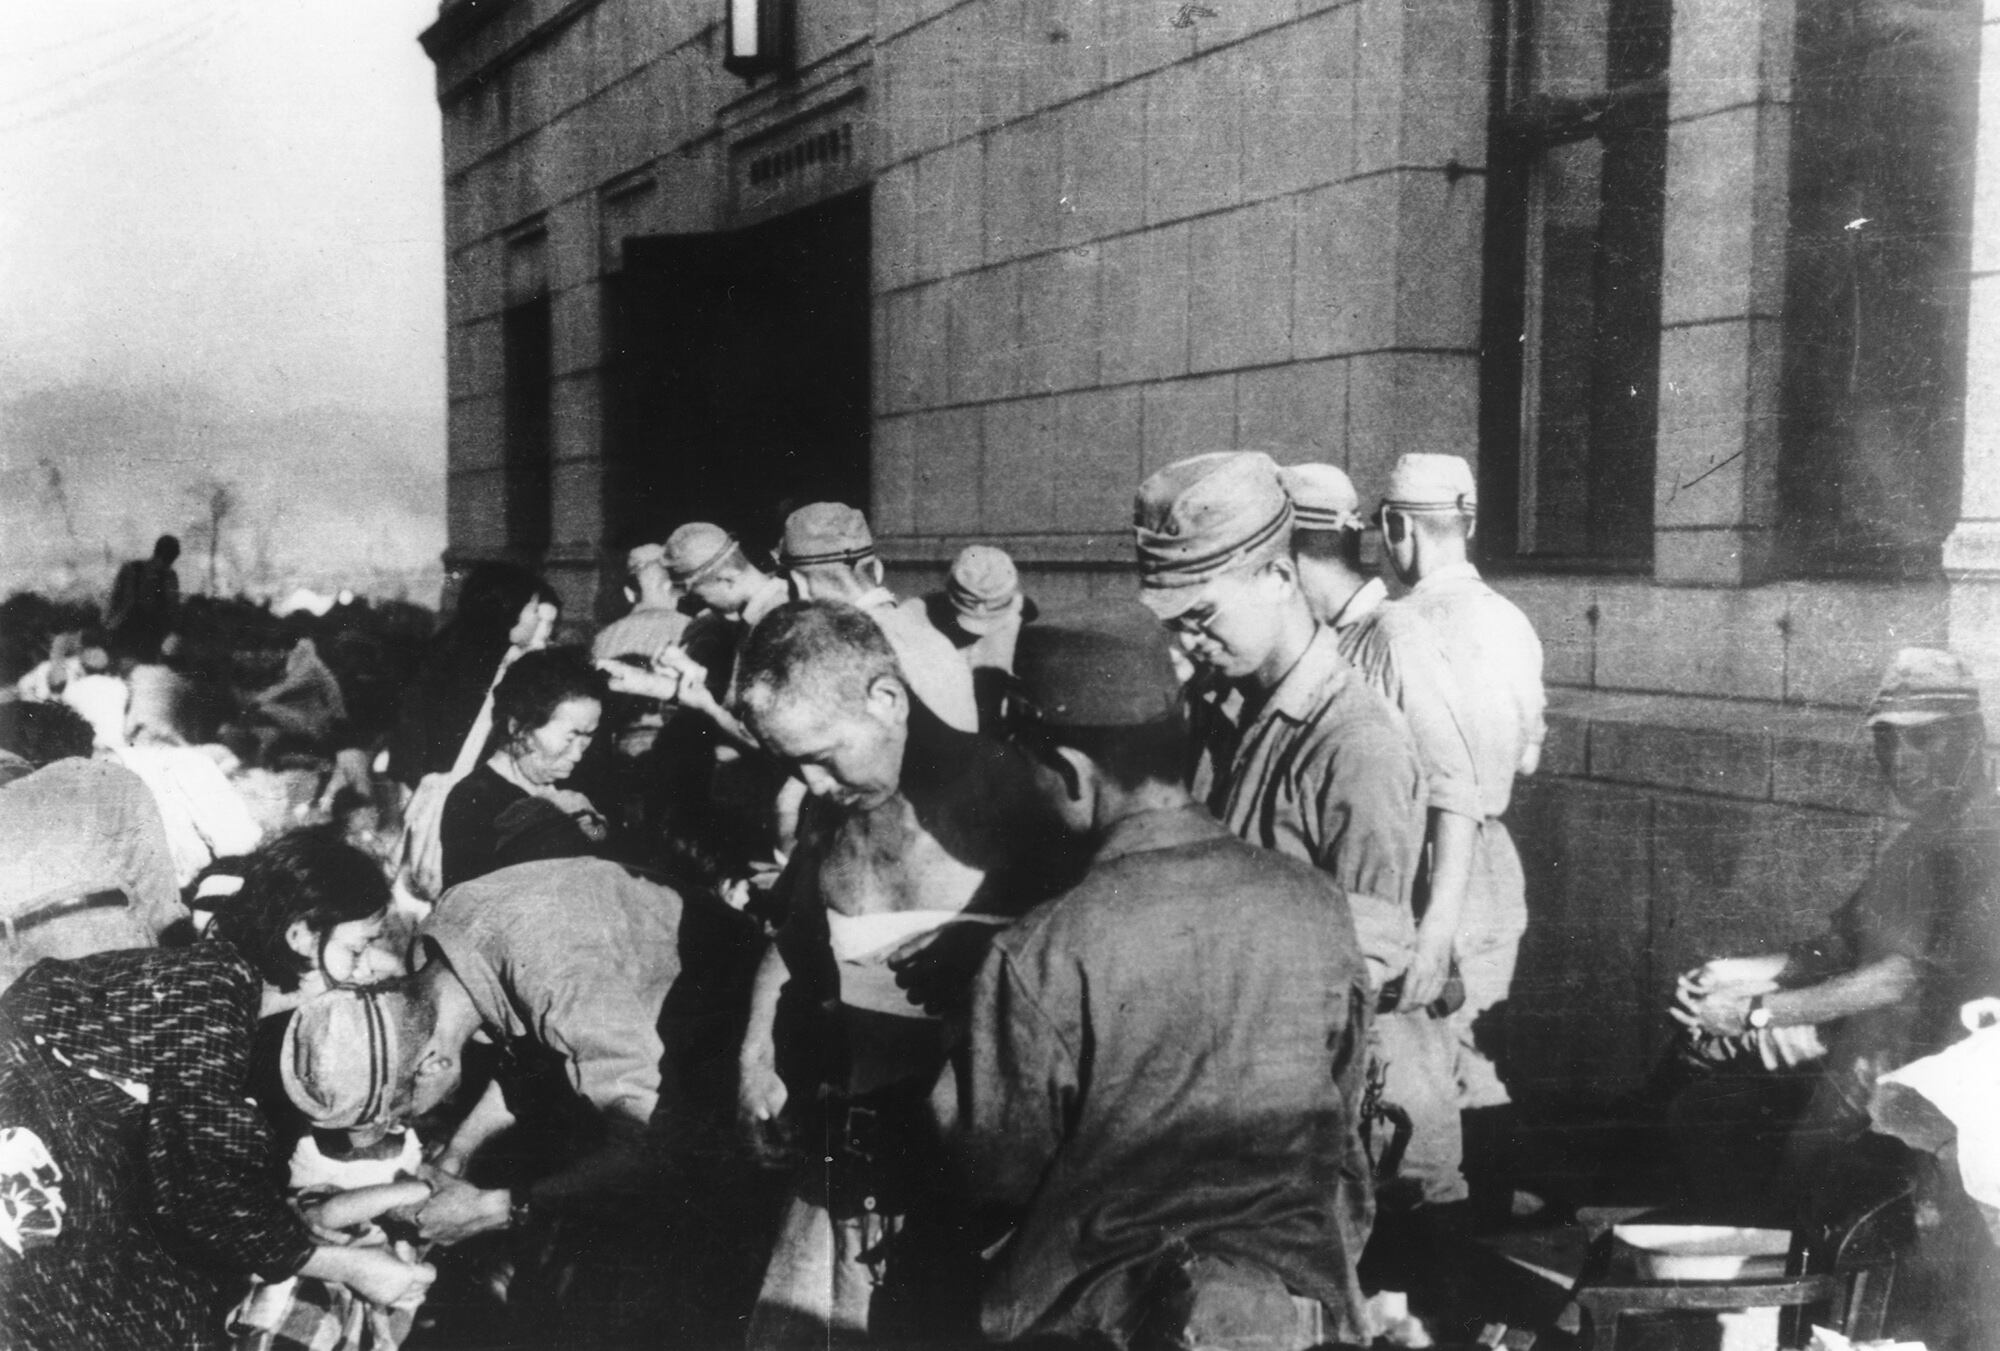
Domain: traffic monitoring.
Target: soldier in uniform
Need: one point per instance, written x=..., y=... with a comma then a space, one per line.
x=1427, y=515
x=1167, y=1185
x=1397, y=653
x=829, y=554
x=1294, y=752
x=655, y=619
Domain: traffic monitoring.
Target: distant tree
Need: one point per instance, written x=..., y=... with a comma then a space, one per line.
x=218, y=502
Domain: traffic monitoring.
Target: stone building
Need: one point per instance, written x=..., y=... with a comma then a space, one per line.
x=1691, y=280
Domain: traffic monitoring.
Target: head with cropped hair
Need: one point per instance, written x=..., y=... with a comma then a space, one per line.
x=819, y=685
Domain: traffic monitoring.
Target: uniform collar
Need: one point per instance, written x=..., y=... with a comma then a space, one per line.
x=1163, y=828
x=876, y=598
x=1319, y=671
x=1450, y=572
x=1361, y=604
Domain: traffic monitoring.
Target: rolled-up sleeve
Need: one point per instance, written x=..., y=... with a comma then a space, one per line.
x=1369, y=807
x=1400, y=656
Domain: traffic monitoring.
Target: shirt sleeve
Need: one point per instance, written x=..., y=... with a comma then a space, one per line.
x=597, y=1002
x=145, y=858
x=1022, y=1085
x=1370, y=812
x=209, y=1151
x=1404, y=660
x=1532, y=695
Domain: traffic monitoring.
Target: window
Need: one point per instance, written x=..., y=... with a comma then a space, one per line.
x=1880, y=244
x=528, y=358
x=1576, y=220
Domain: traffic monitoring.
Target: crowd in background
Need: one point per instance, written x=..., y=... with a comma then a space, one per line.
x=799, y=964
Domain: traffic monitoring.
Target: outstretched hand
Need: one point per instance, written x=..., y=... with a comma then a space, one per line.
x=458, y=1210
x=937, y=968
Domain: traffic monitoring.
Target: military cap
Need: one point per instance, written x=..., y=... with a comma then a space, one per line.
x=342, y=1055
x=696, y=550
x=1426, y=482
x=984, y=588
x=825, y=532
x=1203, y=517
x=1923, y=685
x=1323, y=497
x=1106, y=667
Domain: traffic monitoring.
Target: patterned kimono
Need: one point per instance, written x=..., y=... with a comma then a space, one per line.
x=131, y=1071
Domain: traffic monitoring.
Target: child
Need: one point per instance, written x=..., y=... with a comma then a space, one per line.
x=353, y=1171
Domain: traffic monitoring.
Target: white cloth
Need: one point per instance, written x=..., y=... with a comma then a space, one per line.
x=205, y=817
x=1962, y=1082
x=861, y=947
x=102, y=700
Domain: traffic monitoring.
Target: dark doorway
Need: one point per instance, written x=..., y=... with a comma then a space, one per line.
x=739, y=380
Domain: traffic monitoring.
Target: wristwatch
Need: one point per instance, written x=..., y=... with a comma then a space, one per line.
x=519, y=1208
x=1759, y=1017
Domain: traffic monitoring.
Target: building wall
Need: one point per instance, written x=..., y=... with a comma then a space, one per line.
x=1109, y=237
x=1109, y=233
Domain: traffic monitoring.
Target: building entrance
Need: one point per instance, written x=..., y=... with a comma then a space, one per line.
x=740, y=373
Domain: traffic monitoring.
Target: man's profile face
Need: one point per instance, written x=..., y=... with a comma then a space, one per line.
x=429, y=1090
x=1236, y=624
x=720, y=592
x=1929, y=765
x=849, y=752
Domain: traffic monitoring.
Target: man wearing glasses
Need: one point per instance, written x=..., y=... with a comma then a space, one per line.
x=1294, y=752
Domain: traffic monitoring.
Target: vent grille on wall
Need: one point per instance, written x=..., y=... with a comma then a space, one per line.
x=835, y=145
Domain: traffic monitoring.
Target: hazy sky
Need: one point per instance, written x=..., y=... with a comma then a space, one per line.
x=221, y=258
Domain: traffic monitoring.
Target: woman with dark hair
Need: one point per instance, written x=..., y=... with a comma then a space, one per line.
x=512, y=809
x=309, y=913
x=501, y=608
x=138, y=1176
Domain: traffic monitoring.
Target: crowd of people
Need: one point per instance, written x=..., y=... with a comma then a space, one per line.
x=800, y=965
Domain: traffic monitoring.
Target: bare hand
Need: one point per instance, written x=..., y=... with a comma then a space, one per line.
x=1719, y=1014
x=760, y=1106
x=760, y=1094
x=379, y=1277
x=937, y=968
x=1424, y=982
x=458, y=1210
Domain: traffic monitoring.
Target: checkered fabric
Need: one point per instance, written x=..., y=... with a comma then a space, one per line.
x=133, y=1067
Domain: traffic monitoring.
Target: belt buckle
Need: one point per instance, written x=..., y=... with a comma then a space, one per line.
x=855, y=1120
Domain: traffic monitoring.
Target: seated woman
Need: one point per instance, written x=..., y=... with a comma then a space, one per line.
x=128, y=1073
x=500, y=607
x=511, y=808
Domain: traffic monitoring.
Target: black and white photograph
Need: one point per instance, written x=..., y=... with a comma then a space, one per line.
x=1084, y=675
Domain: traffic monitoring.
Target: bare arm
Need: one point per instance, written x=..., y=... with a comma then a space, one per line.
x=760, y=1092
x=375, y=1274
x=1878, y=985
x=488, y=1117
x=1453, y=838
x=344, y=1210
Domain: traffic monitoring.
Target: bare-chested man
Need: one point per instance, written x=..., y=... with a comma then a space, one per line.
x=917, y=840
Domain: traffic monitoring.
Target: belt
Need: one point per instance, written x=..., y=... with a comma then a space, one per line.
x=14, y=926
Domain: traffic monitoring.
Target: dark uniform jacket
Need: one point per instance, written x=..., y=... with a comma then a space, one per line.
x=1171, y=1051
